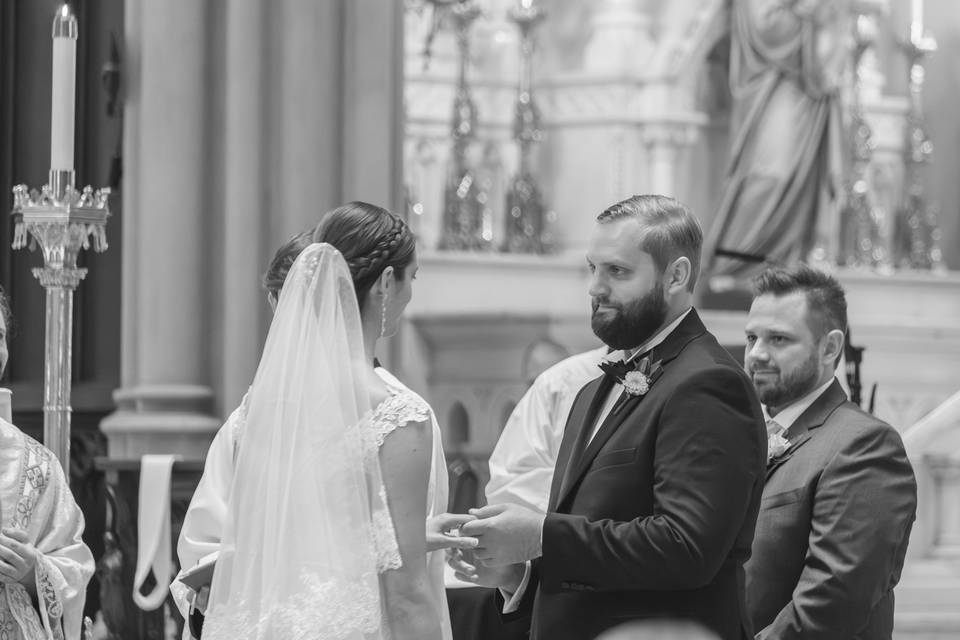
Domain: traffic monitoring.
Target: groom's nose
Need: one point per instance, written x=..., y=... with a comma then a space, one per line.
x=598, y=288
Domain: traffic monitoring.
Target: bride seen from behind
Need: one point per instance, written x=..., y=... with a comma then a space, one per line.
x=340, y=465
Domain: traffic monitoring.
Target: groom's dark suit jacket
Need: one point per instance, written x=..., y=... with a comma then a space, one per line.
x=655, y=518
x=833, y=527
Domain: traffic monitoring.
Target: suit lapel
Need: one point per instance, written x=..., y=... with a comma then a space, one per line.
x=802, y=430
x=582, y=417
x=691, y=327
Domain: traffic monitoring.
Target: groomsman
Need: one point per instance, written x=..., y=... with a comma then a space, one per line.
x=840, y=495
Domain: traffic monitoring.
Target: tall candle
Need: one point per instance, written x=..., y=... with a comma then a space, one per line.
x=63, y=94
x=916, y=20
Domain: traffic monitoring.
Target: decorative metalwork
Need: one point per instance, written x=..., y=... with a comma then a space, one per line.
x=62, y=221
x=438, y=13
x=862, y=242
x=526, y=217
x=919, y=231
x=465, y=202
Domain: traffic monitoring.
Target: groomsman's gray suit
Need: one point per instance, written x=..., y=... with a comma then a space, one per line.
x=834, y=522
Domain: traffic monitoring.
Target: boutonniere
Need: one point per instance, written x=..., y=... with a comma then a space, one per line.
x=638, y=380
x=777, y=445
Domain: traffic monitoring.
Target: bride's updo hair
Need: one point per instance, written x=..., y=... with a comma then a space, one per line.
x=370, y=239
x=282, y=262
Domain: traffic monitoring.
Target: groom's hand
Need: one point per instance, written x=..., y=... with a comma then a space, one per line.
x=507, y=534
x=468, y=569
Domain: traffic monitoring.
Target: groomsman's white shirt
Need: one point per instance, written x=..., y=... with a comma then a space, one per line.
x=789, y=414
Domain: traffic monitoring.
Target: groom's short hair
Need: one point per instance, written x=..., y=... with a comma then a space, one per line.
x=671, y=230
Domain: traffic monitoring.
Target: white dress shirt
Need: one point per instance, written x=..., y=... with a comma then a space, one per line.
x=522, y=463
x=628, y=356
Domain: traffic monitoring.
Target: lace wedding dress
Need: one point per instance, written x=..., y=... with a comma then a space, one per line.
x=308, y=529
x=394, y=413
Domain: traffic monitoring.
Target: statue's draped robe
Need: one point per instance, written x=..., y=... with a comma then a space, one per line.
x=780, y=190
x=35, y=497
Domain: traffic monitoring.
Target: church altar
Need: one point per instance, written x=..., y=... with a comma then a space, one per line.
x=474, y=314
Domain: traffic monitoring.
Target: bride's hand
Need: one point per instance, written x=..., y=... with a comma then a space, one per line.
x=442, y=534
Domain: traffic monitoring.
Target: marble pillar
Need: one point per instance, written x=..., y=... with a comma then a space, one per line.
x=164, y=403
x=244, y=123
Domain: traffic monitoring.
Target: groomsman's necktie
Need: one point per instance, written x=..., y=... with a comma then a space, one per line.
x=774, y=428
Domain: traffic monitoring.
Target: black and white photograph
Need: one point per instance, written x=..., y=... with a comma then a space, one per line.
x=479, y=320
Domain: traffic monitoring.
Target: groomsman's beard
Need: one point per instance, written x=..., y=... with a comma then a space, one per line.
x=629, y=325
x=786, y=387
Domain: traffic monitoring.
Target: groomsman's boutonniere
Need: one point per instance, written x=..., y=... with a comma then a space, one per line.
x=777, y=445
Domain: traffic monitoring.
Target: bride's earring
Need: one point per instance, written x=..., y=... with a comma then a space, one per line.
x=383, y=315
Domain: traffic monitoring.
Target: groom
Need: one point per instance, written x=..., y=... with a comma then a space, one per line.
x=660, y=472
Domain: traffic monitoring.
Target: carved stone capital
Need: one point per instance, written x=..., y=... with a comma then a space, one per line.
x=670, y=134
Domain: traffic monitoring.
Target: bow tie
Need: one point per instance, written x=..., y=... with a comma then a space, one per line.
x=618, y=370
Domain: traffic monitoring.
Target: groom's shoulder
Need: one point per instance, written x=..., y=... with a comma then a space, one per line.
x=708, y=352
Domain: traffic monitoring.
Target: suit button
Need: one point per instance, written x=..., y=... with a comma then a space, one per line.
x=564, y=585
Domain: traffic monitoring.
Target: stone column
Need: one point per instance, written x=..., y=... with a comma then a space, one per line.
x=664, y=142
x=163, y=405
x=621, y=43
x=242, y=127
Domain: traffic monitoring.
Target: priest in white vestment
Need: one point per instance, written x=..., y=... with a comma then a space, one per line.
x=521, y=465
x=44, y=564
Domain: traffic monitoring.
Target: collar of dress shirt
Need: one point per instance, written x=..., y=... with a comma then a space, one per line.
x=629, y=354
x=789, y=414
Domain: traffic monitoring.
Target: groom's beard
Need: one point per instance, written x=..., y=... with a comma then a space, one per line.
x=629, y=325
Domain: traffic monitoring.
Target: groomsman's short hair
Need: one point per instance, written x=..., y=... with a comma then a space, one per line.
x=826, y=301
x=671, y=230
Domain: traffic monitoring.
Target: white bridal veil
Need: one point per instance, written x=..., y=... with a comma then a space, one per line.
x=300, y=548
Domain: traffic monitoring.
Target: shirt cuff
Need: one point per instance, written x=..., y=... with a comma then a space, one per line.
x=511, y=601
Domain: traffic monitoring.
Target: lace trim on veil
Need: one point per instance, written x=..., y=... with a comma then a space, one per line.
x=323, y=610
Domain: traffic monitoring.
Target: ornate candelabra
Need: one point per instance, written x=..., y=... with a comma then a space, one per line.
x=861, y=244
x=464, y=202
x=526, y=212
x=919, y=231
x=62, y=221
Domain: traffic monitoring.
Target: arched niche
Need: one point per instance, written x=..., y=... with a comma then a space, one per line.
x=458, y=424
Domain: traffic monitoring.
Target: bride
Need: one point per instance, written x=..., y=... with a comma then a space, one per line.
x=340, y=465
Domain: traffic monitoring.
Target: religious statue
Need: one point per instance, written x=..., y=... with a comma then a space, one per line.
x=784, y=176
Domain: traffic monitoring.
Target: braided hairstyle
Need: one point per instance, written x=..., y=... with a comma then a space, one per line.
x=370, y=239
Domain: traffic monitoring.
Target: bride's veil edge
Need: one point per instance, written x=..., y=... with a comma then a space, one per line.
x=299, y=550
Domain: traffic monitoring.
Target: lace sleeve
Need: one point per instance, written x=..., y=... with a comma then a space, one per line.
x=397, y=411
